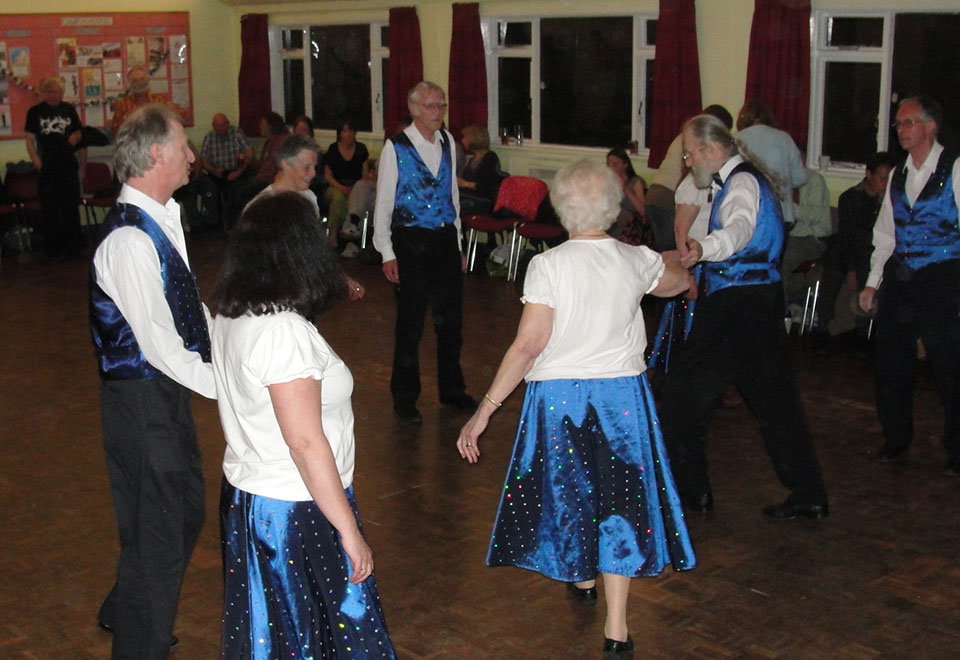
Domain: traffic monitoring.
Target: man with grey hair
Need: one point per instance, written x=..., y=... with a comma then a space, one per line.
x=916, y=267
x=737, y=332
x=417, y=232
x=152, y=346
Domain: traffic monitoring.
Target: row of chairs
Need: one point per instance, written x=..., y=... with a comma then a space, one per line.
x=20, y=198
x=519, y=198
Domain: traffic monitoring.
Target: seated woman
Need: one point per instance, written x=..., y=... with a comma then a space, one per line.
x=343, y=165
x=589, y=490
x=481, y=176
x=298, y=574
x=303, y=125
x=632, y=217
x=273, y=129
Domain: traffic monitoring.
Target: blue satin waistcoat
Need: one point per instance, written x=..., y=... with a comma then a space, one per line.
x=757, y=262
x=118, y=354
x=927, y=232
x=422, y=200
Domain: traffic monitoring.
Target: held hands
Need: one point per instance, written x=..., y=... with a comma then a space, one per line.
x=691, y=253
x=360, y=555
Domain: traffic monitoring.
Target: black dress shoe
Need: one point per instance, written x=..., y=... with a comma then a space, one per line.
x=789, y=509
x=701, y=503
x=889, y=453
x=952, y=468
x=586, y=597
x=408, y=414
x=106, y=627
x=462, y=401
x=613, y=648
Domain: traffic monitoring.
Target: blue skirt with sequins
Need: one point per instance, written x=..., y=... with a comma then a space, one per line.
x=589, y=489
x=286, y=588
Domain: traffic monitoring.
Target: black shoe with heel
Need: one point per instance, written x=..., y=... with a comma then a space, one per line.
x=616, y=650
x=587, y=597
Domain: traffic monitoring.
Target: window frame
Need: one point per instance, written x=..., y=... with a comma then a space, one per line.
x=643, y=53
x=378, y=53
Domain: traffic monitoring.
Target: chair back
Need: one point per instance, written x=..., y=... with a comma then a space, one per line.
x=98, y=181
x=522, y=196
x=21, y=186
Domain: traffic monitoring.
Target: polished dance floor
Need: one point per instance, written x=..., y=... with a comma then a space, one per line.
x=879, y=578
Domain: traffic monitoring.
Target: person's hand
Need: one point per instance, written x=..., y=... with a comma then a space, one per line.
x=867, y=298
x=467, y=443
x=850, y=282
x=38, y=165
x=360, y=555
x=346, y=190
x=75, y=138
x=693, y=253
x=463, y=262
x=356, y=289
x=391, y=271
x=234, y=175
x=692, y=290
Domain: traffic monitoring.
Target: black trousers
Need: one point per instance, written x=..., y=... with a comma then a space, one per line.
x=59, y=194
x=738, y=335
x=428, y=261
x=915, y=304
x=156, y=483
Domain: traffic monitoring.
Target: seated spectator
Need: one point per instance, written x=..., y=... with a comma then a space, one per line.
x=303, y=125
x=273, y=129
x=197, y=196
x=807, y=240
x=632, y=218
x=138, y=94
x=363, y=198
x=480, y=178
x=226, y=157
x=343, y=165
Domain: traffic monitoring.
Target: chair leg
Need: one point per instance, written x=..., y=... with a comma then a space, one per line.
x=471, y=249
x=514, y=256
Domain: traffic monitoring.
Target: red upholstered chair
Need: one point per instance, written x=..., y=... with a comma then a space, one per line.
x=519, y=196
x=98, y=191
x=21, y=190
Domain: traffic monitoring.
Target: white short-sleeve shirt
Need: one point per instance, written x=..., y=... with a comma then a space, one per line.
x=594, y=288
x=252, y=352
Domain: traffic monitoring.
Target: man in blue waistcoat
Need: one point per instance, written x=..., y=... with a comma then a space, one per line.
x=914, y=281
x=737, y=332
x=417, y=232
x=152, y=346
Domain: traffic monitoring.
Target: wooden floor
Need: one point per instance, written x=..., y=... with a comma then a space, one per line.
x=878, y=579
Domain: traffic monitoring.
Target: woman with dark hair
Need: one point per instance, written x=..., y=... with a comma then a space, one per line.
x=480, y=179
x=343, y=165
x=273, y=129
x=297, y=571
x=303, y=125
x=632, y=217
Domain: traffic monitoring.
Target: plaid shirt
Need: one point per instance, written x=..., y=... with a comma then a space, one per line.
x=222, y=150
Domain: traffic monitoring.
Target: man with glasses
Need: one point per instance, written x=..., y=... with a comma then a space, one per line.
x=417, y=232
x=914, y=281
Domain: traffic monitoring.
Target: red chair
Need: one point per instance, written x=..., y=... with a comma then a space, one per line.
x=519, y=196
x=97, y=191
x=21, y=188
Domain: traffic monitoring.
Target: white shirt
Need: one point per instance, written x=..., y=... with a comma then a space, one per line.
x=253, y=352
x=884, y=231
x=307, y=194
x=688, y=193
x=431, y=153
x=127, y=268
x=737, y=214
x=594, y=287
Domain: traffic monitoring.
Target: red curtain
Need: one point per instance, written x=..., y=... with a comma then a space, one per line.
x=778, y=71
x=254, y=79
x=676, y=75
x=405, y=68
x=468, y=70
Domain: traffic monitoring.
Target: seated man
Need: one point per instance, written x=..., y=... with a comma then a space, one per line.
x=138, y=94
x=362, y=201
x=807, y=240
x=197, y=196
x=226, y=155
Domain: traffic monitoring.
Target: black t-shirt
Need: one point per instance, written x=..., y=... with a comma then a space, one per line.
x=347, y=172
x=53, y=125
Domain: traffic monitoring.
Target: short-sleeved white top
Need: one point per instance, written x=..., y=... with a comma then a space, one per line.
x=252, y=352
x=594, y=288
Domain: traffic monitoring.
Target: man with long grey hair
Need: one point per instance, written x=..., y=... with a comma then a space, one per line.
x=150, y=335
x=737, y=332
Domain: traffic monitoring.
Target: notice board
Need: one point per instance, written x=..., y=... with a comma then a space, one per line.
x=92, y=54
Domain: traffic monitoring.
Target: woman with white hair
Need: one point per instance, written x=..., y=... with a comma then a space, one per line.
x=589, y=489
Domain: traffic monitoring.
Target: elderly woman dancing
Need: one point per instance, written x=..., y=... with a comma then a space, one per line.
x=589, y=489
x=297, y=572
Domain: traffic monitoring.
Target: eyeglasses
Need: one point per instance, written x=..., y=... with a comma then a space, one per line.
x=908, y=123
x=435, y=106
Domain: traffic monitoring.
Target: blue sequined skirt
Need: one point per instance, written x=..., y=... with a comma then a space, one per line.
x=286, y=588
x=589, y=489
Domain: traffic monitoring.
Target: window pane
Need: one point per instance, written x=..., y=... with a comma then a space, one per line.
x=385, y=36
x=292, y=39
x=586, y=81
x=926, y=61
x=514, y=34
x=648, y=118
x=514, y=107
x=854, y=31
x=851, y=102
x=651, y=33
x=384, y=68
x=293, y=98
x=340, y=74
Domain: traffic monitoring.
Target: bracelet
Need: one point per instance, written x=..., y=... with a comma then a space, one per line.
x=490, y=399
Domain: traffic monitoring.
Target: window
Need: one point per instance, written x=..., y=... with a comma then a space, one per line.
x=584, y=81
x=331, y=72
x=863, y=65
